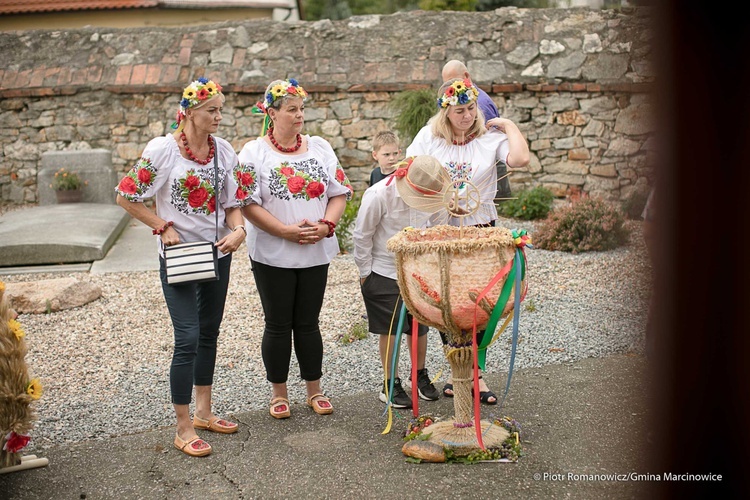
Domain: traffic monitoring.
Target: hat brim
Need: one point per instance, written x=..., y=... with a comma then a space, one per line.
x=428, y=203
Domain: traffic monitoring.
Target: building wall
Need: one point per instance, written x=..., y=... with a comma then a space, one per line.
x=577, y=82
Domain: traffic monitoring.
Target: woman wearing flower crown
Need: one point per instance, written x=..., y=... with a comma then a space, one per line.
x=300, y=196
x=457, y=136
x=177, y=170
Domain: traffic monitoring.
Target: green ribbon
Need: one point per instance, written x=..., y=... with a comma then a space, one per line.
x=500, y=304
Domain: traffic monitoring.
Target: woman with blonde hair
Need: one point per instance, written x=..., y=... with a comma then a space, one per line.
x=457, y=136
x=195, y=179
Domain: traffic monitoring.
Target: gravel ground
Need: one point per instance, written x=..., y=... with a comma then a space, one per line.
x=105, y=366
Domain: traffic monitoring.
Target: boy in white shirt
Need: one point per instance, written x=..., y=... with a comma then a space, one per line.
x=382, y=214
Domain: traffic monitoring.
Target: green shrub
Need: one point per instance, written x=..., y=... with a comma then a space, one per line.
x=587, y=225
x=414, y=108
x=346, y=224
x=531, y=204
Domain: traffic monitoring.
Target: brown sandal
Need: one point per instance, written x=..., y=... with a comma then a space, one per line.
x=320, y=404
x=189, y=447
x=215, y=424
x=280, y=408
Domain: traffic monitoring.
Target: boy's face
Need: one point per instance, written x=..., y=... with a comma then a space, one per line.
x=387, y=156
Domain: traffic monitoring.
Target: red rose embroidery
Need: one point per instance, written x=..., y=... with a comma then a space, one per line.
x=15, y=442
x=127, y=185
x=295, y=184
x=315, y=189
x=144, y=176
x=197, y=197
x=241, y=194
x=192, y=182
x=340, y=176
x=246, y=179
x=287, y=171
x=212, y=205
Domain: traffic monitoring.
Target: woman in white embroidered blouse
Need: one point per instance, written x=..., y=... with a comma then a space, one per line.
x=299, y=194
x=177, y=170
x=456, y=135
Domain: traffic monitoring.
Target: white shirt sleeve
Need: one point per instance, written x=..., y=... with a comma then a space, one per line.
x=419, y=146
x=368, y=218
x=150, y=172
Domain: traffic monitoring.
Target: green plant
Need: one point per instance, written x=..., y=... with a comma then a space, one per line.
x=530, y=306
x=531, y=204
x=587, y=225
x=65, y=180
x=414, y=108
x=358, y=331
x=346, y=223
x=465, y=5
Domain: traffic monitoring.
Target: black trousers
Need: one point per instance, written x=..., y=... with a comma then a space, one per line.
x=292, y=300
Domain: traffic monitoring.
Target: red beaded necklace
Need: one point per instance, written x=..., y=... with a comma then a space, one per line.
x=282, y=148
x=465, y=141
x=211, y=150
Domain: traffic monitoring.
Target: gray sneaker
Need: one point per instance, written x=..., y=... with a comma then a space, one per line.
x=400, y=399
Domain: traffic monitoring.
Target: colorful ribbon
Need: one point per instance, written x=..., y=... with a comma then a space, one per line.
x=517, y=269
x=394, y=363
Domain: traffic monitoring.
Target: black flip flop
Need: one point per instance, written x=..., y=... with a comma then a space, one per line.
x=448, y=387
x=485, y=396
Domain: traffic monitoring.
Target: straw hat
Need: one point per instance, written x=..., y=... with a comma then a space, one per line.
x=422, y=183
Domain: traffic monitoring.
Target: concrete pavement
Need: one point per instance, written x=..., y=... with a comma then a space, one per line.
x=580, y=419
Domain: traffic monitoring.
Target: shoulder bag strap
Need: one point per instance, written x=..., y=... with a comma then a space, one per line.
x=216, y=185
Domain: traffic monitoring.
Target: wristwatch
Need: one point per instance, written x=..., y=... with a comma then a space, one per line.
x=240, y=227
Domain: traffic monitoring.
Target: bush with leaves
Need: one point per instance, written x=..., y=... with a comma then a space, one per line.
x=587, y=225
x=529, y=205
x=346, y=223
x=414, y=108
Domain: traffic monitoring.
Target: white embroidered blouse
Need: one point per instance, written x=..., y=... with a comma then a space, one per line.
x=293, y=188
x=184, y=190
x=475, y=162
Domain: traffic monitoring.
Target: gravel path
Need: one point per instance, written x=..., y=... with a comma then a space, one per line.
x=105, y=366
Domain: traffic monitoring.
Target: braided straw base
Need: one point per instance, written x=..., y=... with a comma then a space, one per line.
x=463, y=440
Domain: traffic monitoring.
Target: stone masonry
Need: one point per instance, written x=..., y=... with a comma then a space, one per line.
x=576, y=81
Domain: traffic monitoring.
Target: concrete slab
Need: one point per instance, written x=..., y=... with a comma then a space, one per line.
x=134, y=250
x=60, y=234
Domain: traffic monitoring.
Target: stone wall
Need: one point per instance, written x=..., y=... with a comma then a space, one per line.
x=576, y=82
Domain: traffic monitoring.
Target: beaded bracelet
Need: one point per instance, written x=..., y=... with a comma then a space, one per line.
x=331, y=227
x=163, y=228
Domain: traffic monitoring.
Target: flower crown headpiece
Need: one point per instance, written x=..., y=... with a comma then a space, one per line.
x=459, y=92
x=197, y=92
x=287, y=87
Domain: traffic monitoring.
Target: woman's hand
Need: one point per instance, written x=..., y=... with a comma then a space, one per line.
x=170, y=237
x=231, y=242
x=498, y=123
x=454, y=208
x=304, y=232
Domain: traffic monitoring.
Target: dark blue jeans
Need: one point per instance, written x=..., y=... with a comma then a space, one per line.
x=196, y=311
x=292, y=299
